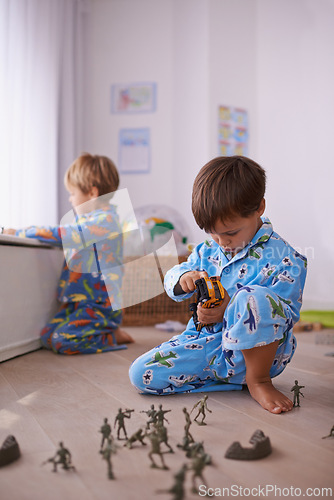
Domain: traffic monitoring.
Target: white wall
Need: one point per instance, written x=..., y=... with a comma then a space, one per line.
x=131, y=41
x=191, y=102
x=272, y=58
x=296, y=129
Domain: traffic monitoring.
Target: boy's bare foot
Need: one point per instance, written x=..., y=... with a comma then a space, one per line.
x=258, y=363
x=123, y=337
x=268, y=397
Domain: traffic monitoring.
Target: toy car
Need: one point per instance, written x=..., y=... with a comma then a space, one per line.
x=210, y=293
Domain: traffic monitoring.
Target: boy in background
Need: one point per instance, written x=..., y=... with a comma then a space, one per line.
x=89, y=318
x=250, y=339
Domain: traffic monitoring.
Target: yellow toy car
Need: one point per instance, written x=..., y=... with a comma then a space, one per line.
x=210, y=293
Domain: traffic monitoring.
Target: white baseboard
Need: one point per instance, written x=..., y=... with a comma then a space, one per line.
x=10, y=351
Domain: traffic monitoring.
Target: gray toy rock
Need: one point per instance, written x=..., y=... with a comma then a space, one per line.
x=9, y=451
x=260, y=449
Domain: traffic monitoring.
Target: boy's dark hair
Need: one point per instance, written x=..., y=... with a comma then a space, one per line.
x=227, y=187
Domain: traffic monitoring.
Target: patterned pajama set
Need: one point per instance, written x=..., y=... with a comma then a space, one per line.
x=89, y=286
x=265, y=282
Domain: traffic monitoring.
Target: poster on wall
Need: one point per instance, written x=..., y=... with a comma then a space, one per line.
x=232, y=131
x=133, y=98
x=134, y=151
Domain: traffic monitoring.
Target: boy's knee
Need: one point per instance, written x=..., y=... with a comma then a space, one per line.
x=137, y=374
x=256, y=298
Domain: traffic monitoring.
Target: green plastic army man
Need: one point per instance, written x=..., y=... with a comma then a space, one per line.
x=105, y=430
x=120, y=420
x=107, y=453
x=202, y=406
x=62, y=457
x=296, y=392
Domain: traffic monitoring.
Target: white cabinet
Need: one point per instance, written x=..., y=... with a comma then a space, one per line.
x=29, y=274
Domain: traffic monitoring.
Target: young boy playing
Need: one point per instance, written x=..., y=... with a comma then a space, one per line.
x=251, y=339
x=86, y=321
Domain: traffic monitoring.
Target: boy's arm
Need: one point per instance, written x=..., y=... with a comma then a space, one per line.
x=172, y=283
x=47, y=234
x=67, y=234
x=80, y=232
x=288, y=281
x=7, y=230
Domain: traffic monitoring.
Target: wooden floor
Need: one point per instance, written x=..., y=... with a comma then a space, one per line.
x=47, y=398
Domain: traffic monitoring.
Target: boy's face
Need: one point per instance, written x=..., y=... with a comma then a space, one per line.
x=234, y=234
x=78, y=197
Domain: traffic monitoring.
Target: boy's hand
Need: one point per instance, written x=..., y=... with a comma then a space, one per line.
x=213, y=314
x=8, y=231
x=187, y=280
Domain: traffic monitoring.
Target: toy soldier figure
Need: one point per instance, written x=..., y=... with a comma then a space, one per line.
x=137, y=436
x=296, y=392
x=106, y=431
x=196, y=450
x=160, y=415
x=64, y=458
x=197, y=465
x=202, y=407
x=162, y=433
x=178, y=487
x=187, y=438
x=152, y=414
x=155, y=450
x=121, y=415
x=331, y=434
x=187, y=426
x=106, y=455
x=185, y=443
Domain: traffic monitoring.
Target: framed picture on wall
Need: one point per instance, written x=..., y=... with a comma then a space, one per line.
x=134, y=153
x=133, y=98
x=233, y=131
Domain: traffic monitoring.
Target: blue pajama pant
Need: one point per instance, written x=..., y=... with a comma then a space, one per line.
x=82, y=328
x=212, y=360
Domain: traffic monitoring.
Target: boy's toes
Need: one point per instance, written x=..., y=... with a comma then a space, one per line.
x=286, y=404
x=274, y=408
x=278, y=405
x=281, y=406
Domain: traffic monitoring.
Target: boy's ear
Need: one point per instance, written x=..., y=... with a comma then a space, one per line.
x=94, y=192
x=262, y=207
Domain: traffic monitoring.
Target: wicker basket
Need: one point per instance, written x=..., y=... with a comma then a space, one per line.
x=143, y=279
